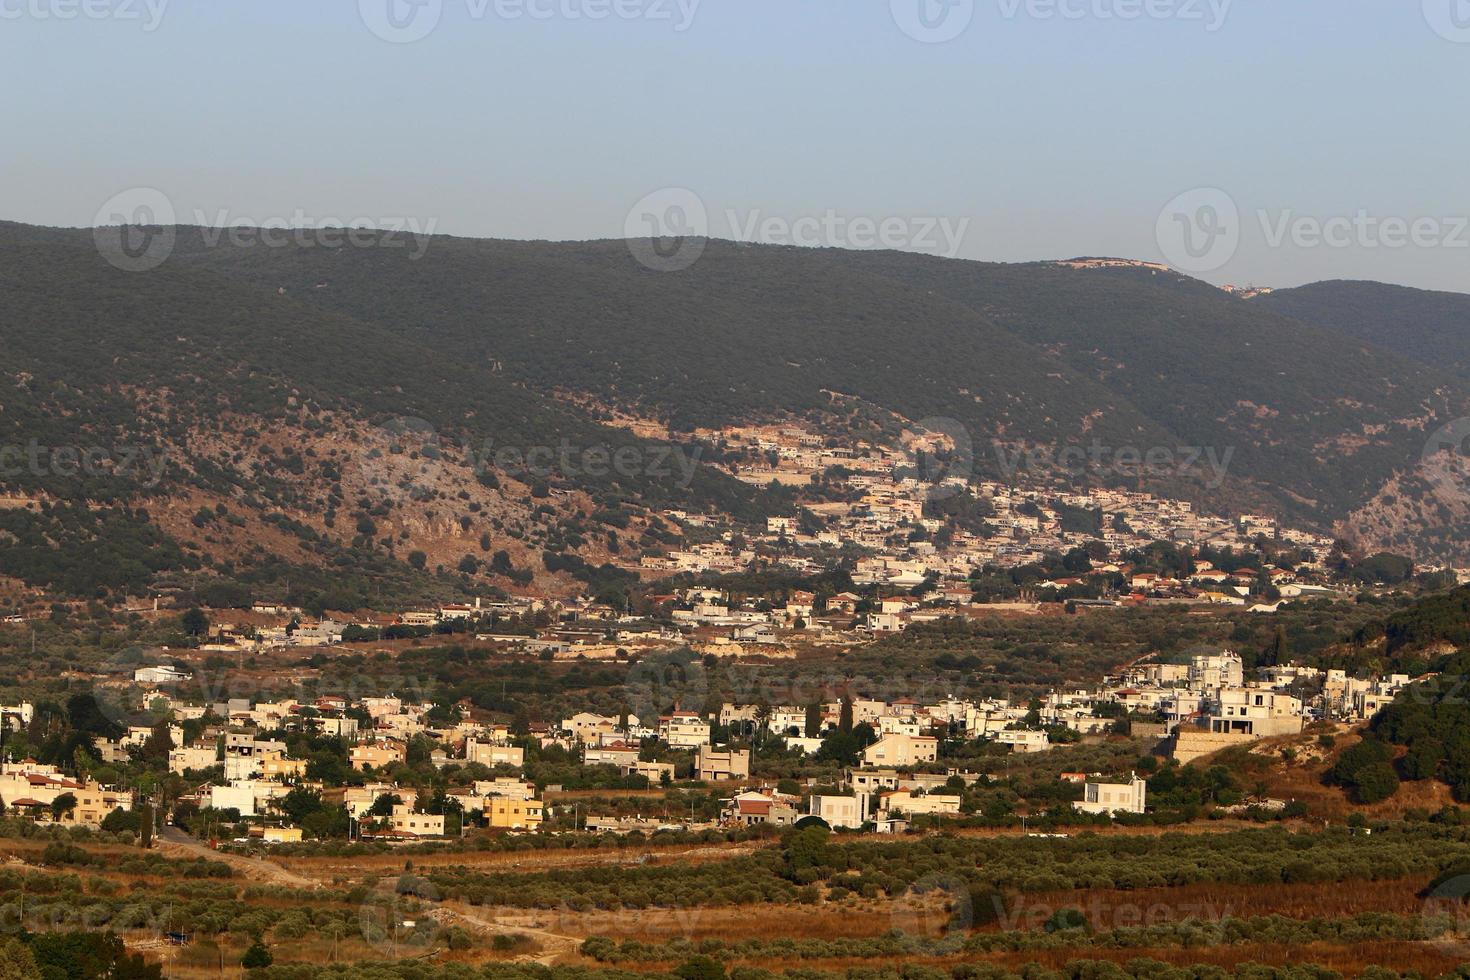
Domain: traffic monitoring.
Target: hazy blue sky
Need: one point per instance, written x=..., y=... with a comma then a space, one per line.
x=1052, y=135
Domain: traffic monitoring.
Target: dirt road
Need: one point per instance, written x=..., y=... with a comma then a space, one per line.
x=175, y=843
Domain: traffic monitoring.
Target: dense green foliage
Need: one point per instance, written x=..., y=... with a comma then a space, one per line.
x=1430, y=327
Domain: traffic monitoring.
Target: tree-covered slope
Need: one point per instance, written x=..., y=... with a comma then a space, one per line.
x=1038, y=353
x=1429, y=327
x=487, y=339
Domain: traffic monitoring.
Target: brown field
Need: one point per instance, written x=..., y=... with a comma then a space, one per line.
x=326, y=868
x=1296, y=901
x=1105, y=909
x=1429, y=958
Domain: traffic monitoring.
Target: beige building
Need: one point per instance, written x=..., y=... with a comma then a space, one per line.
x=902, y=750
x=654, y=772
x=281, y=835
x=1258, y=712
x=277, y=766
x=718, y=767
x=192, y=757
x=376, y=755
x=491, y=754
x=684, y=730
x=588, y=727
x=753, y=808
x=619, y=755
x=405, y=821
x=32, y=789
x=909, y=804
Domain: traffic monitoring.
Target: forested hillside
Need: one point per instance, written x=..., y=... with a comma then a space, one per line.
x=1430, y=327
x=266, y=376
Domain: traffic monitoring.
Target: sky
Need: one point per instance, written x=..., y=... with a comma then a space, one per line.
x=1267, y=142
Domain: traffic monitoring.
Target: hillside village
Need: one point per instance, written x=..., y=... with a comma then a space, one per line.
x=912, y=522
x=236, y=754
x=912, y=556
x=914, y=548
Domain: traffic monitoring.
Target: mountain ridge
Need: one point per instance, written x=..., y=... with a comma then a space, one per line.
x=517, y=344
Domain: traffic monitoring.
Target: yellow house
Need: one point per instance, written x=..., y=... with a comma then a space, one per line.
x=277, y=766
x=509, y=813
x=281, y=835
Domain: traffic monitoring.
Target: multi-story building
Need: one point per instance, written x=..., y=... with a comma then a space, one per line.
x=901, y=750
x=376, y=755
x=846, y=812
x=510, y=813
x=683, y=730
x=1259, y=712
x=406, y=821
x=718, y=767
x=492, y=755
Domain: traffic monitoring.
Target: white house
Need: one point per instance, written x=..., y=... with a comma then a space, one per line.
x=841, y=811
x=1024, y=740
x=1111, y=798
x=162, y=674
